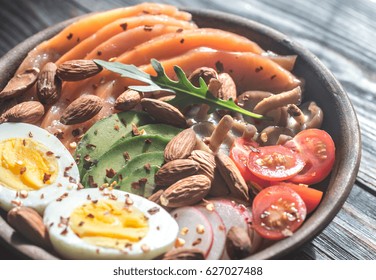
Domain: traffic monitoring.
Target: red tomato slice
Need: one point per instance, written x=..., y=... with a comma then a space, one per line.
x=277, y=211
x=239, y=153
x=275, y=163
x=310, y=196
x=318, y=150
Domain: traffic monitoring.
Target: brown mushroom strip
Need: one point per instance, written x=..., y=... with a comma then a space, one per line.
x=279, y=100
x=202, y=114
x=220, y=132
x=271, y=134
x=296, y=113
x=282, y=139
x=311, y=115
x=249, y=132
x=316, y=116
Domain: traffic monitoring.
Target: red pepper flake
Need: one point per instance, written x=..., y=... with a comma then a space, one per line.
x=70, y=36
x=42, y=196
x=80, y=186
x=80, y=224
x=120, y=177
x=148, y=27
x=78, y=40
x=258, y=69
x=64, y=195
x=72, y=180
x=219, y=66
x=90, y=146
x=175, y=215
x=147, y=167
x=99, y=53
x=30, y=135
x=128, y=246
x=196, y=242
x=148, y=141
x=22, y=170
x=182, y=41
x=57, y=157
x=51, y=224
x=24, y=142
x=153, y=210
x=126, y=156
x=49, y=153
x=65, y=231
x=116, y=127
x=158, y=227
x=66, y=174
x=88, y=197
x=95, y=201
x=91, y=216
x=179, y=30
x=46, y=177
x=92, y=183
x=59, y=185
x=110, y=173
x=124, y=26
x=273, y=77
x=59, y=134
x=113, y=197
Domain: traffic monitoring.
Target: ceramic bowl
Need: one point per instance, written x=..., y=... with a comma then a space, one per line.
x=320, y=86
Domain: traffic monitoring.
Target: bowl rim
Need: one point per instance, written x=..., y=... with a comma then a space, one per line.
x=327, y=209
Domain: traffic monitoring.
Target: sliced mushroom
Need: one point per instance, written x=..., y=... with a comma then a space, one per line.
x=310, y=116
x=271, y=135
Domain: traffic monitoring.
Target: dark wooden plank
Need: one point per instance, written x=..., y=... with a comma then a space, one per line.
x=340, y=33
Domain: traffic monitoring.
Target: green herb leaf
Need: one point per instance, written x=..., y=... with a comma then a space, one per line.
x=186, y=93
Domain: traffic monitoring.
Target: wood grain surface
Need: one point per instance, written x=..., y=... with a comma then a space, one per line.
x=340, y=33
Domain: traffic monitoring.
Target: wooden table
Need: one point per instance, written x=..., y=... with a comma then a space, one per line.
x=340, y=33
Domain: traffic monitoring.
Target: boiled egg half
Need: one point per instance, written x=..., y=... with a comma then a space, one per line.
x=105, y=223
x=35, y=167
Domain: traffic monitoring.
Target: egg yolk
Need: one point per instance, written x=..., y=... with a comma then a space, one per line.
x=26, y=164
x=108, y=223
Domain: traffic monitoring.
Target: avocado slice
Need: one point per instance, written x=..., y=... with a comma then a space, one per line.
x=103, y=134
x=115, y=157
x=140, y=181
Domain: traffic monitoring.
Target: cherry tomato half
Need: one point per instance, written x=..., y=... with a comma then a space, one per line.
x=310, y=196
x=275, y=163
x=277, y=211
x=239, y=153
x=318, y=151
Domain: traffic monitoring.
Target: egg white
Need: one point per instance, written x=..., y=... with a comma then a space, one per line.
x=39, y=199
x=163, y=229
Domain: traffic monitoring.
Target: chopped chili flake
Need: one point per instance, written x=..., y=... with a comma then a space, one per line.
x=49, y=153
x=126, y=156
x=99, y=53
x=124, y=26
x=24, y=142
x=147, y=167
x=64, y=195
x=88, y=197
x=179, y=30
x=153, y=210
x=148, y=27
x=116, y=127
x=258, y=69
x=46, y=177
x=59, y=134
x=22, y=170
x=90, y=146
x=273, y=77
x=65, y=231
x=148, y=141
x=30, y=135
x=110, y=173
x=182, y=41
x=196, y=242
x=80, y=224
x=80, y=186
x=113, y=197
x=91, y=216
x=42, y=196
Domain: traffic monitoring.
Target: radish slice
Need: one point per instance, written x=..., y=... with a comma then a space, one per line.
x=219, y=233
x=195, y=229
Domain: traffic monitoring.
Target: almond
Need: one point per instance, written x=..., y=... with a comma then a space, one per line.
x=128, y=100
x=181, y=146
x=205, y=73
x=28, y=112
x=208, y=167
x=19, y=84
x=76, y=70
x=238, y=243
x=175, y=170
x=228, y=88
x=187, y=191
x=163, y=112
x=184, y=254
x=30, y=224
x=231, y=175
x=48, y=84
x=82, y=109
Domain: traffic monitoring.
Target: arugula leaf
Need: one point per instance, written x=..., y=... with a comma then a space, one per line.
x=185, y=92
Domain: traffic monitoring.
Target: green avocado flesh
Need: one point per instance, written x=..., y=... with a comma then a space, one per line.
x=115, y=157
x=140, y=181
x=104, y=134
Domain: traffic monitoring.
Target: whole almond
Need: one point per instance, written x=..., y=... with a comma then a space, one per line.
x=48, y=84
x=181, y=146
x=231, y=175
x=184, y=254
x=163, y=112
x=19, y=84
x=82, y=109
x=187, y=191
x=28, y=112
x=228, y=88
x=238, y=243
x=76, y=70
x=203, y=72
x=207, y=166
x=175, y=170
x=30, y=224
x=128, y=100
